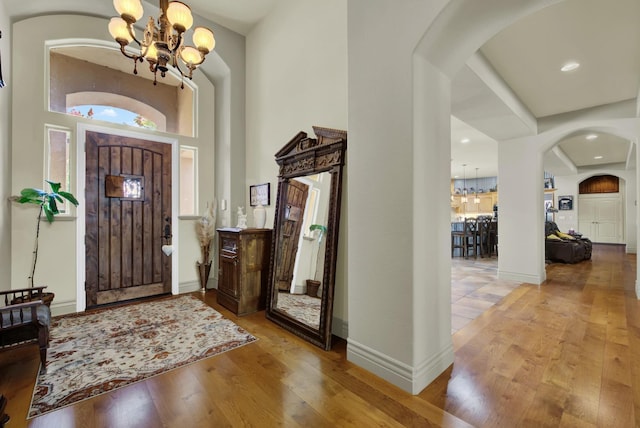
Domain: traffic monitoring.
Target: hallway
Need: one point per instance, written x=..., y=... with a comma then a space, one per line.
x=558, y=354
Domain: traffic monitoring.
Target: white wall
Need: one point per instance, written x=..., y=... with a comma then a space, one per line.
x=5, y=152
x=297, y=78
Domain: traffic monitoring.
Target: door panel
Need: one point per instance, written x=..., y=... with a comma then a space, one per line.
x=295, y=203
x=607, y=221
x=586, y=221
x=601, y=219
x=124, y=235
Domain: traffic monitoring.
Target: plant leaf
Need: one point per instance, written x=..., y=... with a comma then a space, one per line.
x=48, y=213
x=31, y=192
x=29, y=200
x=69, y=197
x=55, y=187
x=52, y=205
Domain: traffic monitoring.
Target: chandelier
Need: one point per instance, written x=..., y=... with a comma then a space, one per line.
x=161, y=45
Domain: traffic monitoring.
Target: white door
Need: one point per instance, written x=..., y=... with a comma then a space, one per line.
x=600, y=217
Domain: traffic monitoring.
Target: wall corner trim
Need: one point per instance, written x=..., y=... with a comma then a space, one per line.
x=410, y=379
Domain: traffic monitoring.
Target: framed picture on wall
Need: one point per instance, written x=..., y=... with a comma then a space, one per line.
x=565, y=203
x=260, y=194
x=548, y=183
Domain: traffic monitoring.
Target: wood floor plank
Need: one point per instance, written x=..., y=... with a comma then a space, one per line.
x=563, y=353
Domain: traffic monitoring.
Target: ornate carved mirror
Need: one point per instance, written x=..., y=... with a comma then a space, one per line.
x=305, y=244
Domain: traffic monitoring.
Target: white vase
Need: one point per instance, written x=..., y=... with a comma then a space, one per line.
x=259, y=216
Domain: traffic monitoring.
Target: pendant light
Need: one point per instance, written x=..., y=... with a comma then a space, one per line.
x=463, y=199
x=476, y=200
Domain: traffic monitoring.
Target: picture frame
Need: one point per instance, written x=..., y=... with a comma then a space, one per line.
x=548, y=183
x=565, y=203
x=260, y=194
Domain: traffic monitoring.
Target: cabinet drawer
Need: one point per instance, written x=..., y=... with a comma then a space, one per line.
x=229, y=258
x=229, y=245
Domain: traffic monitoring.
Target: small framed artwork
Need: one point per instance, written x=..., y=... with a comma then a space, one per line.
x=260, y=194
x=565, y=203
x=548, y=183
x=125, y=187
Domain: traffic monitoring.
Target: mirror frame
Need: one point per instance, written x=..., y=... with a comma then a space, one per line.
x=300, y=157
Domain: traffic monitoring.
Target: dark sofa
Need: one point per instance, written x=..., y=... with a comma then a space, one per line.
x=565, y=248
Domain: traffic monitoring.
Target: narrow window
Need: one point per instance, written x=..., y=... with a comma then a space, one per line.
x=188, y=171
x=57, y=159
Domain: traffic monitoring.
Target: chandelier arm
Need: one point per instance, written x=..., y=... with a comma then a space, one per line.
x=128, y=55
x=133, y=34
x=176, y=65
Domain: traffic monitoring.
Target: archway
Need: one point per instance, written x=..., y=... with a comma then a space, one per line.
x=414, y=111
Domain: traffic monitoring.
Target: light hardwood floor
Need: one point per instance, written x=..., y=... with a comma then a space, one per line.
x=560, y=354
x=475, y=288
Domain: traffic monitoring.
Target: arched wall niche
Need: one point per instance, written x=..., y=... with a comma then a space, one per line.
x=30, y=113
x=87, y=66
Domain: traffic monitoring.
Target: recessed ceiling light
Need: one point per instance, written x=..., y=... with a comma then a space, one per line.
x=570, y=66
x=591, y=137
x=465, y=140
x=597, y=157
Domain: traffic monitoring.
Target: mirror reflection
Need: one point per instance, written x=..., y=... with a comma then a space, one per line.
x=305, y=239
x=302, y=248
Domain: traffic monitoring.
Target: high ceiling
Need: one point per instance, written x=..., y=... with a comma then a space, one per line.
x=603, y=36
x=237, y=15
x=513, y=83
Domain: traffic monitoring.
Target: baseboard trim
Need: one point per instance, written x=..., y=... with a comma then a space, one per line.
x=62, y=308
x=396, y=372
x=520, y=277
x=188, y=287
x=340, y=328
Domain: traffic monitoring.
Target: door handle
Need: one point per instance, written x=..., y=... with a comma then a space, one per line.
x=167, y=229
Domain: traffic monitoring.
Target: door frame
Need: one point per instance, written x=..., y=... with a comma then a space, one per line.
x=81, y=130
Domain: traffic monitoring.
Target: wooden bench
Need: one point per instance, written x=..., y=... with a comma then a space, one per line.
x=25, y=319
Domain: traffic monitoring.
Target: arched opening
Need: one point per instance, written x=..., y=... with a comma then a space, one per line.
x=116, y=108
x=96, y=76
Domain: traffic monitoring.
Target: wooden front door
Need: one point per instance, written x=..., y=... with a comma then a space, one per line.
x=128, y=218
x=294, y=203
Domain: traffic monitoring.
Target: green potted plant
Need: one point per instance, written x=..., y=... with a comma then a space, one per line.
x=48, y=203
x=314, y=284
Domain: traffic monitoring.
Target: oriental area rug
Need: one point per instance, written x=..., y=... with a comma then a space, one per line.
x=304, y=308
x=96, y=352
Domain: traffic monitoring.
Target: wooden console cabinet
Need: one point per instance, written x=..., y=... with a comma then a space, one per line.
x=243, y=269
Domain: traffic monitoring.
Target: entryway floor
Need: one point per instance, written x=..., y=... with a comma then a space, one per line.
x=475, y=287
